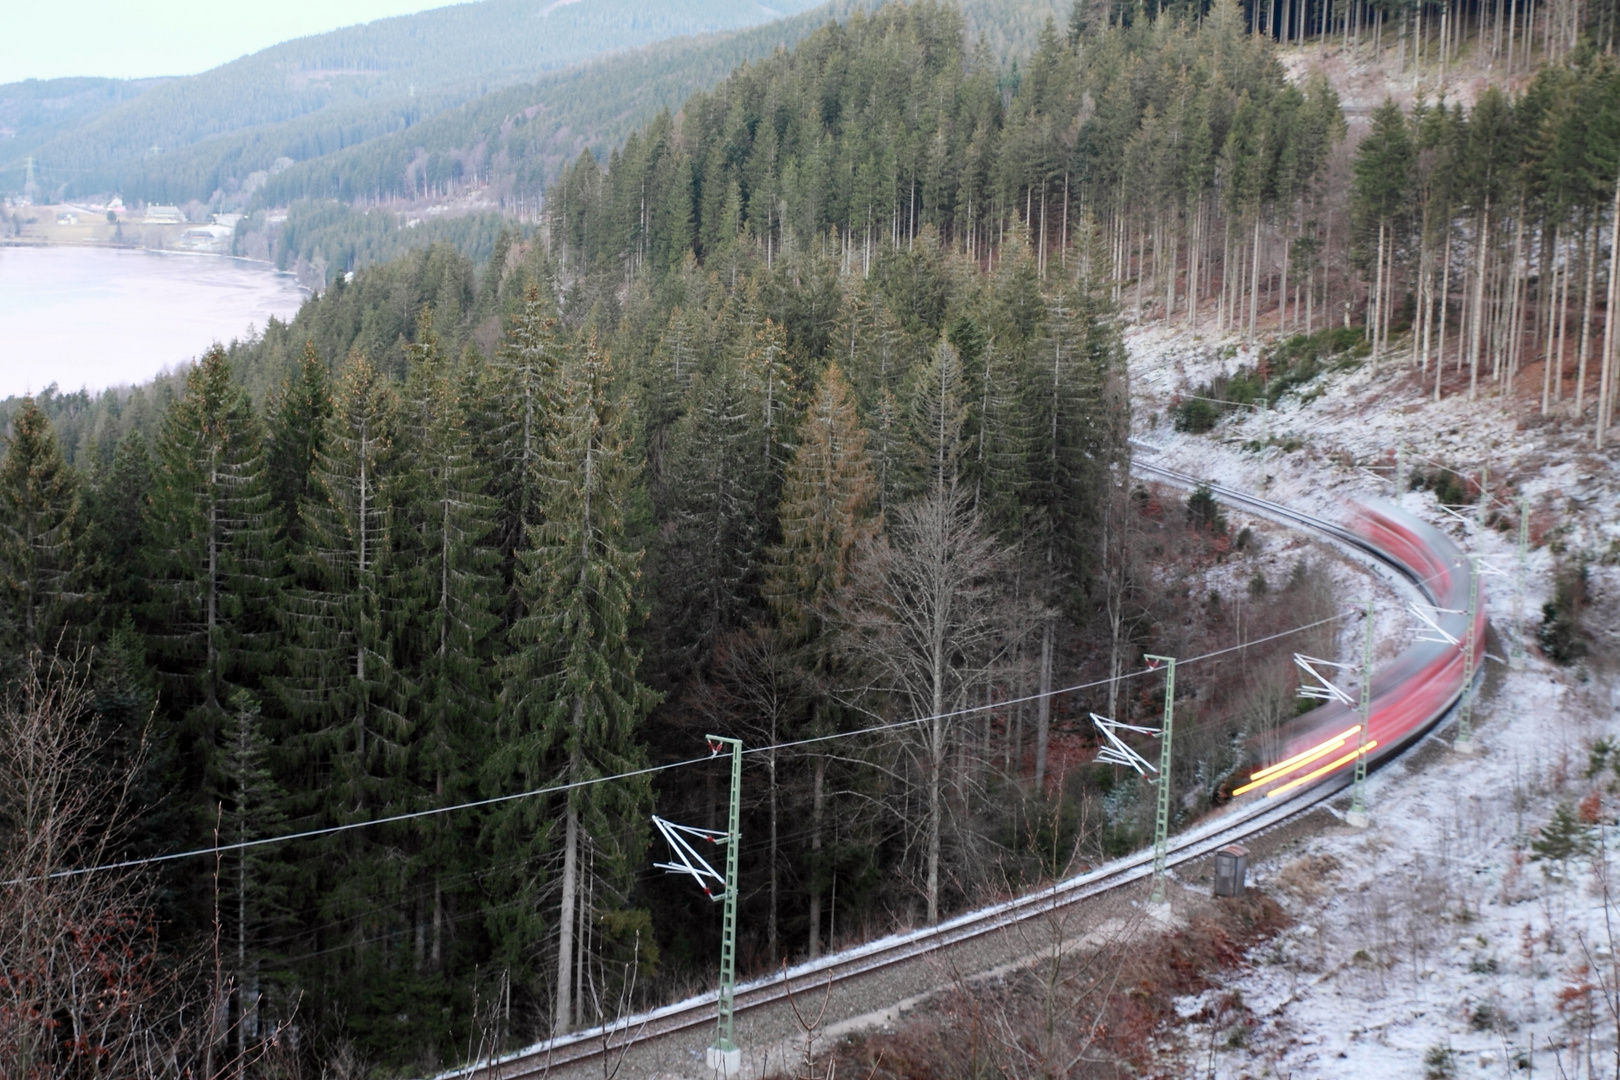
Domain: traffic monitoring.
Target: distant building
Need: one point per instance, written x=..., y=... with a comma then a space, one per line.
x=67, y=219
x=164, y=215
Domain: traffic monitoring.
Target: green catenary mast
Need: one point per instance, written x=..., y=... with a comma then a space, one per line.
x=1161, y=817
x=723, y=1056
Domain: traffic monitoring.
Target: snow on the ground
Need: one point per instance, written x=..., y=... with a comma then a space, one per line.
x=1433, y=939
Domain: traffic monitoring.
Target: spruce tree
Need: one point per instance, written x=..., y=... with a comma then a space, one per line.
x=254, y=883
x=345, y=753
x=520, y=401
x=212, y=564
x=1379, y=201
x=825, y=514
x=343, y=685
x=297, y=424
x=451, y=572
x=41, y=535
x=571, y=700
x=116, y=509
x=712, y=550
x=1073, y=432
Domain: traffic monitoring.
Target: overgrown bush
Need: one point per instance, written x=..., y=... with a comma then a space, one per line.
x=1196, y=415
x=1287, y=366
x=1204, y=513
x=1563, y=838
x=1449, y=488
x=1439, y=1063
x=1560, y=634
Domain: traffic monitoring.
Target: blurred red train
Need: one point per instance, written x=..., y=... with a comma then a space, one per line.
x=1414, y=691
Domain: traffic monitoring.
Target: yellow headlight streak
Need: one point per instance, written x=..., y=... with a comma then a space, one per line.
x=1323, y=771
x=1304, y=757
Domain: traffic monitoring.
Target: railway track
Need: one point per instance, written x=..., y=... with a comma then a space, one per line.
x=688, y=1023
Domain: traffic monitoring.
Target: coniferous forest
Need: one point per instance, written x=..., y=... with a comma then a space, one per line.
x=803, y=420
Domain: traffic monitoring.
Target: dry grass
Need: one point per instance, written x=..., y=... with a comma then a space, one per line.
x=1095, y=1019
x=1308, y=878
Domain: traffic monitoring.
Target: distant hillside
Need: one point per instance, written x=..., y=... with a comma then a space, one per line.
x=503, y=149
x=36, y=111
x=512, y=142
x=375, y=77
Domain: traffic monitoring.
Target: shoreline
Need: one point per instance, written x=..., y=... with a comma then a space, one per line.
x=35, y=243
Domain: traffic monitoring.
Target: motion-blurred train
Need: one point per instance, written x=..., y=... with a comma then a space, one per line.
x=1411, y=692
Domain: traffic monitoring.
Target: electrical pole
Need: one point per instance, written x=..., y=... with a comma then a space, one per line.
x=1464, y=743
x=1516, y=656
x=1358, y=815
x=1400, y=474
x=1161, y=818
x=723, y=1056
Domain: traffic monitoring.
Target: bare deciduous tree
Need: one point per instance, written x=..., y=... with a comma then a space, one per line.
x=78, y=954
x=926, y=617
x=86, y=987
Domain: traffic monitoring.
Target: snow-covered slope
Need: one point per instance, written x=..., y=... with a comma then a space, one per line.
x=1435, y=940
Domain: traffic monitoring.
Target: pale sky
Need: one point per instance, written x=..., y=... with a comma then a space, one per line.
x=125, y=39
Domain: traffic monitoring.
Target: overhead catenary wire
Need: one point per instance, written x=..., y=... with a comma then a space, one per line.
x=556, y=789
x=973, y=709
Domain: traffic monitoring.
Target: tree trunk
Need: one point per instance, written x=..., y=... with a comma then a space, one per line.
x=1550, y=288
x=1562, y=321
x=1254, y=281
x=771, y=945
x=1374, y=322
x=1043, y=708
x=1476, y=332
x=817, y=801
x=1606, y=380
x=936, y=770
x=1445, y=308
x=1589, y=256
x=566, y=918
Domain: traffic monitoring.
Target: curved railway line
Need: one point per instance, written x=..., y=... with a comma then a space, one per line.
x=1411, y=696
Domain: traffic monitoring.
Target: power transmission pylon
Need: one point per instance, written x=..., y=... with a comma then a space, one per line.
x=723, y=1057
x=1161, y=817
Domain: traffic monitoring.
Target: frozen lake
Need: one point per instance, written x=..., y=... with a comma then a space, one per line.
x=97, y=317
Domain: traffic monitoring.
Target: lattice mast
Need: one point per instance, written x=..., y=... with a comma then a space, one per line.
x=1358, y=798
x=723, y=1056
x=1517, y=655
x=1470, y=650
x=1161, y=817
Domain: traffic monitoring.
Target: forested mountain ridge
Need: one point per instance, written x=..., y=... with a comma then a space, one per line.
x=370, y=73
x=512, y=143
x=37, y=110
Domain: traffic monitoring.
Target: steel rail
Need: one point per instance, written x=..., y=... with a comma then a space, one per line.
x=1248, y=820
